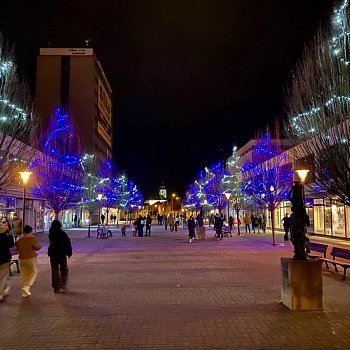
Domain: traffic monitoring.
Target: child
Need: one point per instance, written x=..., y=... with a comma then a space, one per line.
x=134, y=228
x=27, y=246
x=123, y=229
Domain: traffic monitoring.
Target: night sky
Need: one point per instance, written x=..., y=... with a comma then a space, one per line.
x=191, y=78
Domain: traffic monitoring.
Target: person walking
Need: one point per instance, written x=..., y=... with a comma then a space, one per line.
x=5, y=224
x=165, y=222
x=59, y=249
x=123, y=229
x=27, y=246
x=171, y=222
x=134, y=228
x=230, y=222
x=17, y=226
x=6, y=242
x=218, y=224
x=191, y=225
x=177, y=222
x=200, y=229
x=140, y=225
x=286, y=226
x=263, y=223
x=256, y=224
x=148, y=224
x=247, y=222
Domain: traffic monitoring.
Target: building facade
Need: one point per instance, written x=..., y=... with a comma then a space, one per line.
x=73, y=79
x=328, y=217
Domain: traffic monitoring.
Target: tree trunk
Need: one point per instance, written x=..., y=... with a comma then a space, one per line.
x=238, y=229
x=89, y=226
x=272, y=211
x=107, y=216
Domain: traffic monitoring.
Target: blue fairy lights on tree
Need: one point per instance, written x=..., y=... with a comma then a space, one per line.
x=269, y=177
x=59, y=168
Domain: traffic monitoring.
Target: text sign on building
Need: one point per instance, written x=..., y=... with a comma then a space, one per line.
x=104, y=103
x=66, y=52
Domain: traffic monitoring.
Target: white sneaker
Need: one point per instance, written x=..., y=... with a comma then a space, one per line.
x=26, y=292
x=7, y=291
x=190, y=241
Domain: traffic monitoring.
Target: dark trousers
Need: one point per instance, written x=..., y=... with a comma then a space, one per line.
x=191, y=233
x=219, y=233
x=148, y=229
x=247, y=228
x=59, y=271
x=286, y=236
x=140, y=231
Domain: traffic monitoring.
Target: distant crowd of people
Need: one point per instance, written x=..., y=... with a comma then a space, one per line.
x=254, y=222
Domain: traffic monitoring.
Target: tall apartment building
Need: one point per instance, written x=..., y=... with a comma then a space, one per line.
x=73, y=79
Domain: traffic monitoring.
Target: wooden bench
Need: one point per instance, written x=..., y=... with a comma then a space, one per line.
x=317, y=247
x=103, y=232
x=338, y=253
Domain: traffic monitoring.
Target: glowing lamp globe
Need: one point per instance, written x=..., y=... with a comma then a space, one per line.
x=25, y=176
x=302, y=173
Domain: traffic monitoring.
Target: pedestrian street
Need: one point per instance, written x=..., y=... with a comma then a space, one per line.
x=162, y=292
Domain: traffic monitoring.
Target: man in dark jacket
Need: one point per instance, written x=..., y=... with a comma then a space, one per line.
x=148, y=224
x=286, y=226
x=218, y=223
x=6, y=242
x=59, y=249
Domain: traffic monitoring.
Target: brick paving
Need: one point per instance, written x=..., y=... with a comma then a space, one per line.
x=161, y=292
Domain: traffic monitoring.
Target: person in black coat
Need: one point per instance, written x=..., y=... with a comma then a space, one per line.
x=59, y=249
x=6, y=242
x=148, y=224
x=140, y=224
x=191, y=225
x=218, y=224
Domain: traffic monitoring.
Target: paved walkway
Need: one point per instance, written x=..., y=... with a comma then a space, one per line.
x=161, y=292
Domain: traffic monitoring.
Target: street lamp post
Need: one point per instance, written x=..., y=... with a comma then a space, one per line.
x=99, y=197
x=172, y=202
x=302, y=173
x=299, y=218
x=25, y=177
x=237, y=206
x=228, y=195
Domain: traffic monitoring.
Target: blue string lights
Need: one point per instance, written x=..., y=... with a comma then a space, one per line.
x=59, y=170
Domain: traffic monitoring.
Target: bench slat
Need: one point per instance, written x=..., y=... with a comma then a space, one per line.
x=341, y=253
x=318, y=247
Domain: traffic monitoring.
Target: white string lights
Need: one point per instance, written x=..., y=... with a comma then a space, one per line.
x=338, y=44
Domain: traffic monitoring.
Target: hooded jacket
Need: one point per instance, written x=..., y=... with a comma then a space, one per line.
x=60, y=244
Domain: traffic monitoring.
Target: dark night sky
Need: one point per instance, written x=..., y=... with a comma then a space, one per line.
x=190, y=77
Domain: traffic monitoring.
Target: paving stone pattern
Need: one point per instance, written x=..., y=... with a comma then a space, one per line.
x=161, y=292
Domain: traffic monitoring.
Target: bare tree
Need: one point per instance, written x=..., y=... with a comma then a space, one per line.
x=318, y=102
x=17, y=118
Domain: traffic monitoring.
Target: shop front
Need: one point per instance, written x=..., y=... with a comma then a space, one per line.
x=34, y=210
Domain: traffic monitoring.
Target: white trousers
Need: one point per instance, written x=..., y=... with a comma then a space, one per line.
x=29, y=271
x=4, y=277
